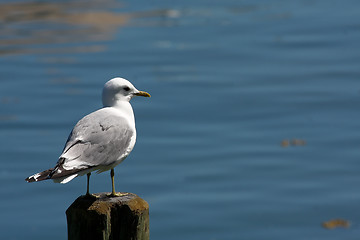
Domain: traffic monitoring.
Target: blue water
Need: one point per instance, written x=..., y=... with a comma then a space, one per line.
x=232, y=82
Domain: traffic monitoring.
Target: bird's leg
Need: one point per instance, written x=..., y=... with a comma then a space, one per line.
x=88, y=194
x=112, y=174
x=88, y=183
x=113, y=193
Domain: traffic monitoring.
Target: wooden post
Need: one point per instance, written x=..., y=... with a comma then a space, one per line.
x=108, y=218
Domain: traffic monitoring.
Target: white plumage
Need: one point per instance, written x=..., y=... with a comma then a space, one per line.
x=100, y=140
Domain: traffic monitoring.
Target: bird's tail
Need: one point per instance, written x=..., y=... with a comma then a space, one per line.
x=44, y=175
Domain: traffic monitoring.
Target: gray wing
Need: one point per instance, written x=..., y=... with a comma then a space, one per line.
x=99, y=139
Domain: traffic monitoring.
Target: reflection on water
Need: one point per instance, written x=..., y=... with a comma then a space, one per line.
x=29, y=24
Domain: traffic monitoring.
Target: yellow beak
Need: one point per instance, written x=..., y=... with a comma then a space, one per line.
x=143, y=94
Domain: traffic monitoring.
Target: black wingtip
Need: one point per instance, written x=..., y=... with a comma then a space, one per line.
x=30, y=179
x=40, y=176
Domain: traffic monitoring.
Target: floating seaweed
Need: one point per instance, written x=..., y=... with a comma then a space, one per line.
x=293, y=142
x=335, y=223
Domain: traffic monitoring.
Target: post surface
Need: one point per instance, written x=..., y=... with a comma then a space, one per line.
x=108, y=218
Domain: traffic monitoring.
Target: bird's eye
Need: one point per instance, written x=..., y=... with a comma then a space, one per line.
x=126, y=88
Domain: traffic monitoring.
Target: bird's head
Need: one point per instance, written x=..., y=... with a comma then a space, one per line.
x=119, y=89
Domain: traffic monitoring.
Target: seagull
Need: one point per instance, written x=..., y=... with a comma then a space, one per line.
x=99, y=141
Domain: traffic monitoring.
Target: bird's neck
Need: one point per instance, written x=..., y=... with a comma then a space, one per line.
x=125, y=110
